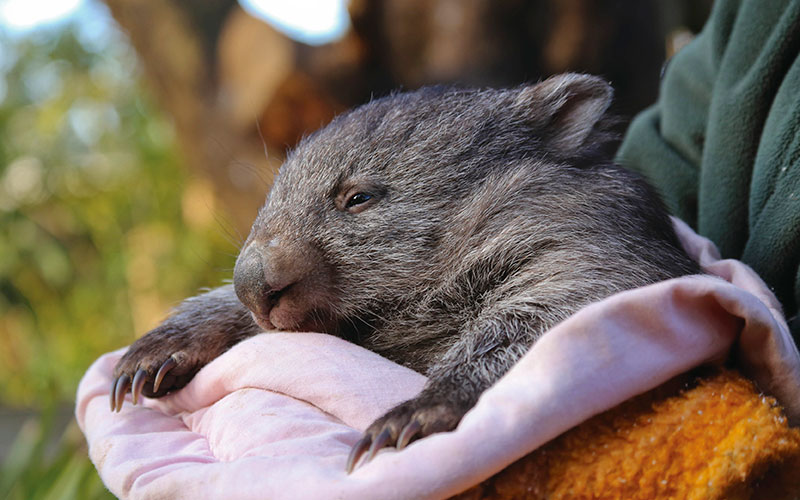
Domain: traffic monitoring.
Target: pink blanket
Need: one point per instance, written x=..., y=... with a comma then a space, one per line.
x=275, y=417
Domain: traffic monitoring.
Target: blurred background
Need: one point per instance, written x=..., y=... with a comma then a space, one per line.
x=138, y=139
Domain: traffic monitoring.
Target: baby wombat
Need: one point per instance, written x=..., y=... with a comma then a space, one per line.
x=445, y=229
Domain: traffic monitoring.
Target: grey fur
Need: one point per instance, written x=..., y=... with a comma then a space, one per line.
x=494, y=215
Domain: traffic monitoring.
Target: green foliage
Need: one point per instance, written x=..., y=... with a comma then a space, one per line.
x=99, y=225
x=102, y=230
x=31, y=471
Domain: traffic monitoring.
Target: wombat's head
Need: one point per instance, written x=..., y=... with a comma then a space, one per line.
x=354, y=223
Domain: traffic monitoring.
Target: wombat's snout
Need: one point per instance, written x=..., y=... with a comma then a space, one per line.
x=276, y=281
x=251, y=284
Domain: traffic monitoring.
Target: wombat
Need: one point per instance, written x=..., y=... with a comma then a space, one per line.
x=446, y=229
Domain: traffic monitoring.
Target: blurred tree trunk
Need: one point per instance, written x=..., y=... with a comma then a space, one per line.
x=240, y=92
x=176, y=43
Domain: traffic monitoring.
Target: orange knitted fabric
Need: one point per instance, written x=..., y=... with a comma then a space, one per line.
x=717, y=439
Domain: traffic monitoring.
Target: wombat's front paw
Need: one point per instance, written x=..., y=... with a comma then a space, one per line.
x=158, y=363
x=409, y=421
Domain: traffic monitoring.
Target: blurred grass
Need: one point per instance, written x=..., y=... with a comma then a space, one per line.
x=102, y=230
x=34, y=471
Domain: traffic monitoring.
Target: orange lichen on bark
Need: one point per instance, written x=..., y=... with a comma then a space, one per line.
x=717, y=439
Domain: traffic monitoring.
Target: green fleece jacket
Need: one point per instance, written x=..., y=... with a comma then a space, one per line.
x=722, y=144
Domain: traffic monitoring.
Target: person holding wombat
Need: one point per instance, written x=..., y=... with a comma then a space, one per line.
x=448, y=229
x=721, y=144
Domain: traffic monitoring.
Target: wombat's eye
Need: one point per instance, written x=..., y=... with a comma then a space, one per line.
x=354, y=200
x=357, y=199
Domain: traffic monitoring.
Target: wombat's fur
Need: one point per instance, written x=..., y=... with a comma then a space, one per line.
x=445, y=229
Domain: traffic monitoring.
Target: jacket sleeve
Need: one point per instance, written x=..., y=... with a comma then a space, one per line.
x=722, y=144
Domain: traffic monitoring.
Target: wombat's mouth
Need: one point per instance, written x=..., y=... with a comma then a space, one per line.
x=288, y=309
x=273, y=297
x=262, y=321
x=263, y=309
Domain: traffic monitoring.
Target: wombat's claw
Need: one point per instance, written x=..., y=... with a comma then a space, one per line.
x=380, y=442
x=118, y=389
x=121, y=384
x=111, y=400
x=409, y=431
x=138, y=383
x=405, y=423
x=168, y=365
x=358, y=449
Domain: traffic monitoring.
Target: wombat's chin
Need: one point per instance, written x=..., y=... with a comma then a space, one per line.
x=287, y=318
x=281, y=319
x=263, y=322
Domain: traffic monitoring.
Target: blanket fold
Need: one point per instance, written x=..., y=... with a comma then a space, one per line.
x=275, y=416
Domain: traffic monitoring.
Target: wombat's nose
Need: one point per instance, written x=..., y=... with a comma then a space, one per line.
x=249, y=282
x=259, y=278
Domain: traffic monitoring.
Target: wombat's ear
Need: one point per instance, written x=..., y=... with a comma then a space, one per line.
x=565, y=108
